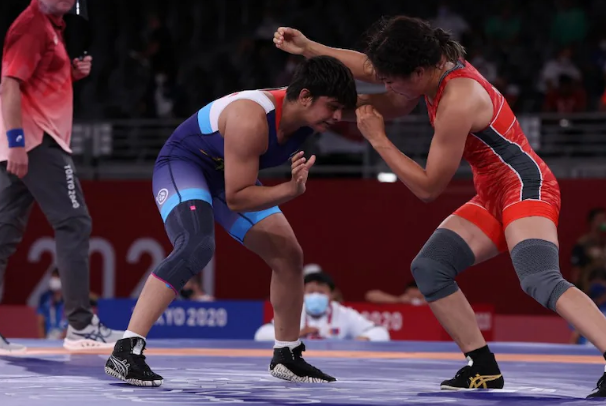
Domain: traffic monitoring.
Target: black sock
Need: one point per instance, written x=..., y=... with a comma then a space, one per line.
x=479, y=353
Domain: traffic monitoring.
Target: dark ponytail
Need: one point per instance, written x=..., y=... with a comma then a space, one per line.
x=399, y=45
x=452, y=50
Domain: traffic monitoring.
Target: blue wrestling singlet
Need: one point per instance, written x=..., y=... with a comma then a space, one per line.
x=190, y=165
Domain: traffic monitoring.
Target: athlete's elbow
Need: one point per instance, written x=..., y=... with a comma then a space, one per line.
x=233, y=200
x=234, y=203
x=430, y=193
x=427, y=196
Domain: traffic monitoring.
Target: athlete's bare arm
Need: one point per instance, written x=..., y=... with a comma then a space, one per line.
x=294, y=42
x=244, y=126
x=389, y=104
x=462, y=108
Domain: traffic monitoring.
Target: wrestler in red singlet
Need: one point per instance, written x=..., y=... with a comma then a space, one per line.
x=516, y=191
x=511, y=180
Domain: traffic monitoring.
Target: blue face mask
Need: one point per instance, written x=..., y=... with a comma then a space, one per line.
x=316, y=304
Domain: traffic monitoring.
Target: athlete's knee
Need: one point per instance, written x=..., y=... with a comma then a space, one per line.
x=438, y=263
x=192, y=235
x=283, y=254
x=289, y=258
x=536, y=263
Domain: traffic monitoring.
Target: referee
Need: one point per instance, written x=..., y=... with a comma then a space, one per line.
x=36, y=100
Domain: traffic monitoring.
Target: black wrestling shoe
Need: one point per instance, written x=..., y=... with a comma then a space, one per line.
x=289, y=365
x=127, y=363
x=483, y=373
x=600, y=390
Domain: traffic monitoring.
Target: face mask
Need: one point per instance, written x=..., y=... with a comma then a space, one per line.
x=187, y=293
x=416, y=301
x=316, y=303
x=54, y=284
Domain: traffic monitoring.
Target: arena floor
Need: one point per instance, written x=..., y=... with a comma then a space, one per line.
x=205, y=372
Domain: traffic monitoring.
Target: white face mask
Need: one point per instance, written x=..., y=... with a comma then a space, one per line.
x=316, y=304
x=54, y=284
x=416, y=301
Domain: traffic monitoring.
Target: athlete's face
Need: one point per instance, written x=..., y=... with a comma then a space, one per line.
x=411, y=87
x=322, y=112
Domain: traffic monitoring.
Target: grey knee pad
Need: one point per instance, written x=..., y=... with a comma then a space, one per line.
x=536, y=262
x=441, y=259
x=192, y=233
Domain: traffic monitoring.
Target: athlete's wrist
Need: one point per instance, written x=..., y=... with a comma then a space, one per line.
x=294, y=189
x=380, y=141
x=311, y=49
x=16, y=138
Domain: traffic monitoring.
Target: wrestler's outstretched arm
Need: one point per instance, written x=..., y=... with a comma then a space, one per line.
x=389, y=104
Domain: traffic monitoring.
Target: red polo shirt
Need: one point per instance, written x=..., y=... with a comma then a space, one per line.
x=35, y=54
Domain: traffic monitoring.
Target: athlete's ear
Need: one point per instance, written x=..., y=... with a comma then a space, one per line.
x=305, y=98
x=418, y=74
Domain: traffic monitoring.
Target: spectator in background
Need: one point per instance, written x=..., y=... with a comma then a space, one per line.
x=157, y=51
x=504, y=28
x=509, y=90
x=412, y=295
x=569, y=24
x=337, y=296
x=596, y=290
x=450, y=21
x=487, y=68
x=194, y=291
x=265, y=30
x=323, y=318
x=602, y=106
x=555, y=68
x=590, y=250
x=568, y=97
x=52, y=323
x=284, y=78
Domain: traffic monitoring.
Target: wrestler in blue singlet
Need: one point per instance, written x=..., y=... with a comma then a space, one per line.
x=190, y=165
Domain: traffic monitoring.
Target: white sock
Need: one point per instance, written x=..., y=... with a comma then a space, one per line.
x=129, y=334
x=289, y=344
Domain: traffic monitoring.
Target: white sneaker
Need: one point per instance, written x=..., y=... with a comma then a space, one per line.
x=93, y=336
x=7, y=348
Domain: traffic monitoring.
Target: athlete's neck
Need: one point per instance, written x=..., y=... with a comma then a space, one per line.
x=436, y=77
x=291, y=119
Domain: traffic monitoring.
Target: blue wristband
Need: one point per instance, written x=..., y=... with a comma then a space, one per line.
x=16, y=138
